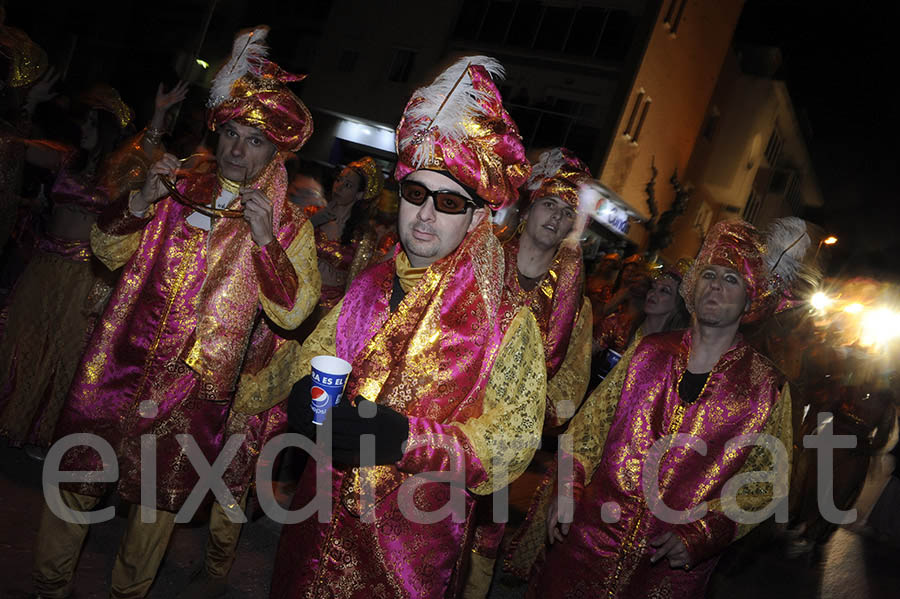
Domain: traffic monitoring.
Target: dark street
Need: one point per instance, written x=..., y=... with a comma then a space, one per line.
x=851, y=566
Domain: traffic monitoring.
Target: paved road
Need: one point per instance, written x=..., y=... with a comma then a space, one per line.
x=851, y=566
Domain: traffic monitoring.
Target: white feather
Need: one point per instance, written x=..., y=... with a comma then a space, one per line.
x=461, y=105
x=547, y=166
x=787, y=241
x=246, y=54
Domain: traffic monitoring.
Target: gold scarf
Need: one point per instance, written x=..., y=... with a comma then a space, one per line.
x=408, y=275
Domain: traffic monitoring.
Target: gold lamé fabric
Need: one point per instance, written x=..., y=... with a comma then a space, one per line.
x=564, y=183
x=739, y=246
x=27, y=60
x=103, y=97
x=177, y=329
x=466, y=369
x=490, y=158
x=265, y=102
x=373, y=180
x=745, y=394
x=48, y=323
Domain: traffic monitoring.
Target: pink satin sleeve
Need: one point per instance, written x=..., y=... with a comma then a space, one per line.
x=436, y=447
x=276, y=275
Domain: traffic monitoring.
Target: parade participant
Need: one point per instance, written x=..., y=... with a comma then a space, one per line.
x=63, y=288
x=200, y=264
x=617, y=320
x=664, y=311
x=544, y=271
x=451, y=365
x=344, y=240
x=706, y=382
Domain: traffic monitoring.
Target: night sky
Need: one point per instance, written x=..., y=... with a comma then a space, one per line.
x=840, y=61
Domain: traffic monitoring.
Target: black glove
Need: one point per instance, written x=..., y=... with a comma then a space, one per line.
x=391, y=430
x=299, y=408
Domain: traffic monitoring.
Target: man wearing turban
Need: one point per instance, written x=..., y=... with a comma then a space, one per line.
x=202, y=262
x=441, y=360
x=545, y=271
x=653, y=462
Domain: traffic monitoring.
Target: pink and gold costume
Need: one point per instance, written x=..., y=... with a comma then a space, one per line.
x=62, y=291
x=637, y=405
x=177, y=328
x=612, y=436
x=346, y=261
x=564, y=318
x=51, y=312
x=464, y=365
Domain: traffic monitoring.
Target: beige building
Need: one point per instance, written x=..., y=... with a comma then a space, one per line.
x=623, y=83
x=661, y=118
x=751, y=159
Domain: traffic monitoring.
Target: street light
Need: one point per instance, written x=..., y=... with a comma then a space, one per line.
x=830, y=240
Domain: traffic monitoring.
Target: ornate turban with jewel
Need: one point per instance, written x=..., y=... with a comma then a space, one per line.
x=372, y=179
x=253, y=91
x=458, y=125
x=558, y=173
x=768, y=266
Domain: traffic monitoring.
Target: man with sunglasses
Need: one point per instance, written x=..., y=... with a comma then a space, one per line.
x=444, y=366
x=183, y=324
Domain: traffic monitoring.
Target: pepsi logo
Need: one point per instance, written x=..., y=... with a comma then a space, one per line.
x=320, y=398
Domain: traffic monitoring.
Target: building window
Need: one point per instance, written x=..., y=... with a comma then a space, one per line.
x=347, y=61
x=401, y=65
x=673, y=15
x=711, y=124
x=638, y=100
x=751, y=210
x=640, y=123
x=794, y=196
x=774, y=146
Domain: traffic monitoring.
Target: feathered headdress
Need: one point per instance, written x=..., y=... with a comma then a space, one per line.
x=247, y=54
x=787, y=241
x=458, y=124
x=253, y=90
x=547, y=165
x=558, y=173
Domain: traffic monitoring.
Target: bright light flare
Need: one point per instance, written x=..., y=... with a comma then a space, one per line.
x=205, y=65
x=880, y=327
x=854, y=308
x=830, y=240
x=820, y=301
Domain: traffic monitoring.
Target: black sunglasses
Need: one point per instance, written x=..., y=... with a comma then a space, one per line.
x=448, y=202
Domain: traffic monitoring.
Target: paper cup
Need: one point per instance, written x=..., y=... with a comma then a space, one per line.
x=329, y=376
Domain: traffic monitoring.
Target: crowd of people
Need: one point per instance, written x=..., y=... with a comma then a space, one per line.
x=172, y=307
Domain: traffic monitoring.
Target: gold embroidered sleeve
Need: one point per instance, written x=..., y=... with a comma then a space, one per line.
x=509, y=429
x=301, y=254
x=755, y=496
x=290, y=363
x=591, y=424
x=567, y=387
